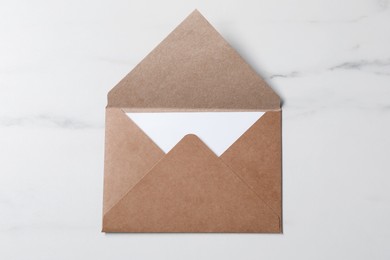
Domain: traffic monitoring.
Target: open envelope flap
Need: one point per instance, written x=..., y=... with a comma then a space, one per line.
x=191, y=190
x=193, y=69
x=129, y=154
x=257, y=158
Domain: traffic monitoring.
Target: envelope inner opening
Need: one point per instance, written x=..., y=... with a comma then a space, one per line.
x=218, y=130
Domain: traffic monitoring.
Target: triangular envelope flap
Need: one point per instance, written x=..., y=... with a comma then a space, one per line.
x=194, y=68
x=129, y=154
x=257, y=158
x=191, y=190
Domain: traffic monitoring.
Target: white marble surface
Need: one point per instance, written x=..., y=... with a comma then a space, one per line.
x=328, y=59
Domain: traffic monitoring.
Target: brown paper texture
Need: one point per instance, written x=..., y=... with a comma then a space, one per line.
x=194, y=68
x=190, y=189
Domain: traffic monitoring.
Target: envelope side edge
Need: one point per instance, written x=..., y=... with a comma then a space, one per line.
x=257, y=158
x=129, y=154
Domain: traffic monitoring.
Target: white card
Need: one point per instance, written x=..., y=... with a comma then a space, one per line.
x=218, y=130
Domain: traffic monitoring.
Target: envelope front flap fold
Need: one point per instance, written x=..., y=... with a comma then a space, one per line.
x=193, y=69
x=129, y=154
x=191, y=190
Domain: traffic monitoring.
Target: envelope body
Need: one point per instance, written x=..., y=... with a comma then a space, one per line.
x=190, y=188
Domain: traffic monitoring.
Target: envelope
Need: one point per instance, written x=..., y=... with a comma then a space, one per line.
x=190, y=188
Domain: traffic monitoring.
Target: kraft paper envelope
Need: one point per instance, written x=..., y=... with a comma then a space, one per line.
x=190, y=188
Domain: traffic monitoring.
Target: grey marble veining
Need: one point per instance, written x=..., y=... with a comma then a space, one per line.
x=46, y=121
x=380, y=67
